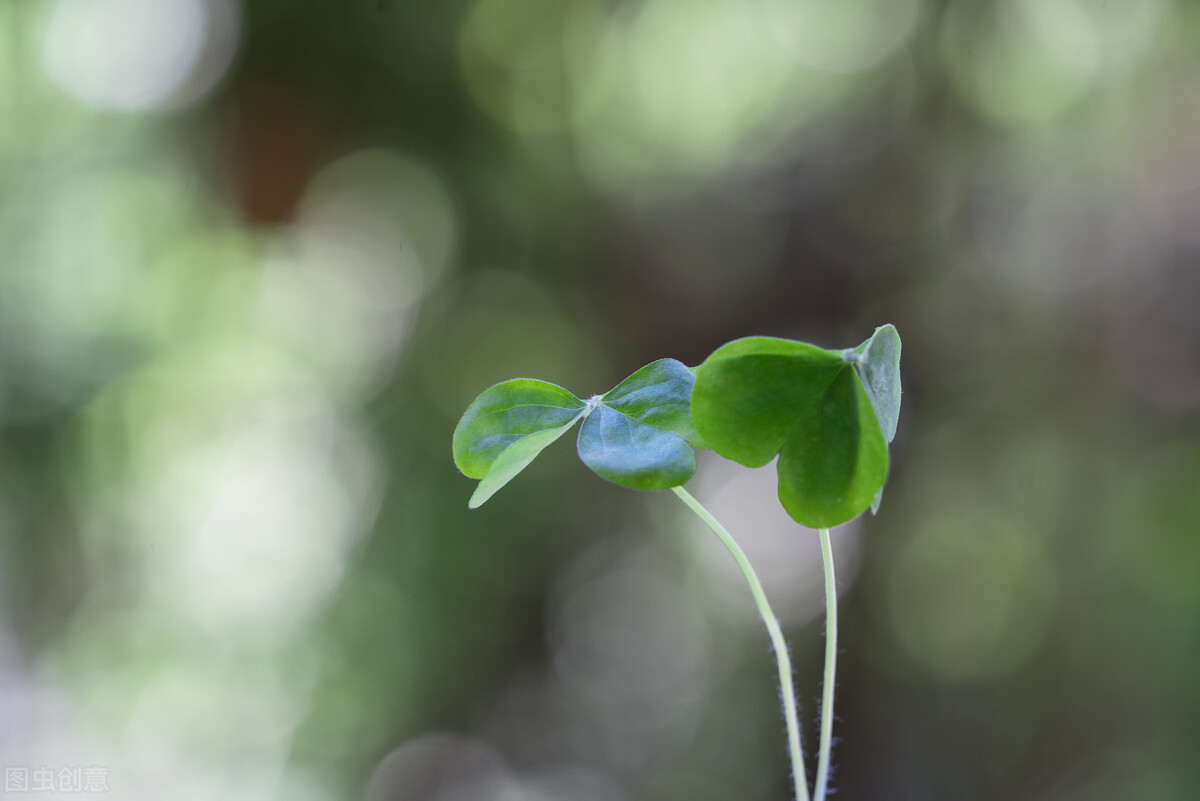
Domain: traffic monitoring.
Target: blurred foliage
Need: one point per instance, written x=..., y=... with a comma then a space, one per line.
x=256, y=258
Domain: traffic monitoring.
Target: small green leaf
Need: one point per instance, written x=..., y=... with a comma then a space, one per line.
x=660, y=394
x=632, y=453
x=640, y=434
x=507, y=426
x=513, y=460
x=758, y=397
x=879, y=370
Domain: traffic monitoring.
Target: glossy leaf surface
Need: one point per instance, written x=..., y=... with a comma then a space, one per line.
x=507, y=426
x=639, y=434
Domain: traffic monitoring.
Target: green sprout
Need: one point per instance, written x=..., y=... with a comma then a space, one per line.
x=828, y=415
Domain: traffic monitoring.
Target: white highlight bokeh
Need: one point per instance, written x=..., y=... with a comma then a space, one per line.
x=139, y=55
x=785, y=555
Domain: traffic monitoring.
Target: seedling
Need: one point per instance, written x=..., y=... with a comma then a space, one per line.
x=827, y=414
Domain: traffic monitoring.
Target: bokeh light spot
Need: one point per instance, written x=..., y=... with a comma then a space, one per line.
x=831, y=36
x=442, y=766
x=506, y=325
x=375, y=230
x=970, y=595
x=786, y=555
x=698, y=79
x=1008, y=67
x=632, y=647
x=137, y=55
x=537, y=65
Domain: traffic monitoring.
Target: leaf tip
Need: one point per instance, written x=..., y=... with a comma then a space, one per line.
x=479, y=497
x=878, y=499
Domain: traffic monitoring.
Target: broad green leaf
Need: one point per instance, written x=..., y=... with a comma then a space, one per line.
x=758, y=397
x=507, y=426
x=660, y=395
x=750, y=392
x=632, y=453
x=639, y=434
x=878, y=367
x=513, y=460
x=836, y=461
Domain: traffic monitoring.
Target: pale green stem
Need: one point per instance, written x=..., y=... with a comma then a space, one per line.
x=782, y=660
x=830, y=666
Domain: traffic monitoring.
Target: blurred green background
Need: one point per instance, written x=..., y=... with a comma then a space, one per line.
x=256, y=258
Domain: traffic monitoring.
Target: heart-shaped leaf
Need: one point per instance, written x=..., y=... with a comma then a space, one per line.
x=507, y=426
x=639, y=434
x=761, y=396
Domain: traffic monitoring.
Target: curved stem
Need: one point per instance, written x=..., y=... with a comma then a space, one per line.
x=782, y=659
x=830, y=666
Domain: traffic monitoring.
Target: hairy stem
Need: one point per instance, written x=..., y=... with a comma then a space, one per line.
x=782, y=660
x=830, y=666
